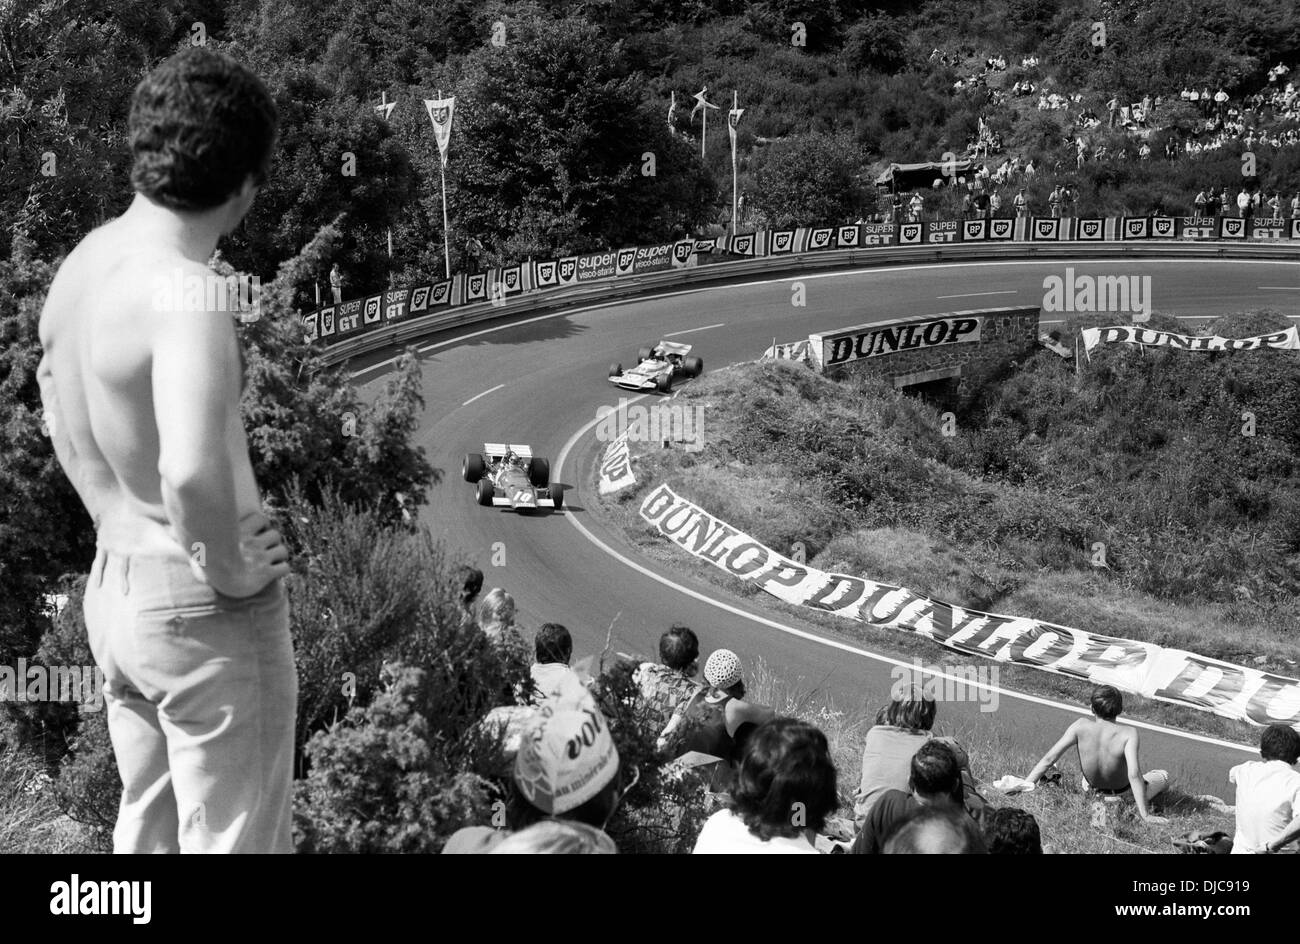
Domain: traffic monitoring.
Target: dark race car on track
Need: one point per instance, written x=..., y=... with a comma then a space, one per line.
x=511, y=476
x=657, y=367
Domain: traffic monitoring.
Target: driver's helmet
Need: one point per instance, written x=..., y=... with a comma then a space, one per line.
x=510, y=458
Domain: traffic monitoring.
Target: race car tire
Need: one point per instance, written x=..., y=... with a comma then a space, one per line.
x=485, y=492
x=664, y=383
x=616, y=370
x=473, y=468
x=693, y=366
x=539, y=472
x=644, y=354
x=557, y=496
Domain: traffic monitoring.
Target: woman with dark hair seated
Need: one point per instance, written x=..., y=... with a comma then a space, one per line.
x=901, y=728
x=783, y=794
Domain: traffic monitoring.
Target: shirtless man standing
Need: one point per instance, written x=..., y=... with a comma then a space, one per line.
x=185, y=608
x=1108, y=755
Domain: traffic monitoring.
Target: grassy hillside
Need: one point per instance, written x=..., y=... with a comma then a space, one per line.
x=1141, y=457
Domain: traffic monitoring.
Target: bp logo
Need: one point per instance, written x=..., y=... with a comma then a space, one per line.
x=327, y=321
x=910, y=233
x=1000, y=229
x=567, y=268
x=546, y=272
x=1090, y=229
x=420, y=298
x=372, y=309
x=781, y=241
x=821, y=238
x=972, y=229
x=625, y=258
x=1234, y=228
x=1135, y=227
x=477, y=285
x=848, y=236
x=512, y=279
x=1163, y=226
x=682, y=250
x=1045, y=229
x=744, y=245
x=440, y=292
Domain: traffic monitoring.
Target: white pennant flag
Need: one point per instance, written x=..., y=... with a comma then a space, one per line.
x=733, y=119
x=386, y=109
x=701, y=102
x=440, y=112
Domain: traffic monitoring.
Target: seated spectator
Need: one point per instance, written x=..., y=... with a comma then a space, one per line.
x=1009, y=831
x=934, y=780
x=784, y=791
x=557, y=837
x=670, y=686
x=471, y=583
x=1268, y=795
x=901, y=728
x=720, y=721
x=936, y=830
x=1108, y=755
x=567, y=767
x=551, y=673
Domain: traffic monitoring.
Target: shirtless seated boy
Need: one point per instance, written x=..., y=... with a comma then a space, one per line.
x=1108, y=755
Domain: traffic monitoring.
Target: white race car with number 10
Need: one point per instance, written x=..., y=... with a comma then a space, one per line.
x=511, y=476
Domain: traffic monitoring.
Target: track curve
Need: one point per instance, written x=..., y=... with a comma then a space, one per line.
x=539, y=379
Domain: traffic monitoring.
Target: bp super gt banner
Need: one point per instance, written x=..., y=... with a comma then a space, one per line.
x=1264, y=228
x=1170, y=675
x=1288, y=340
x=396, y=304
x=1197, y=227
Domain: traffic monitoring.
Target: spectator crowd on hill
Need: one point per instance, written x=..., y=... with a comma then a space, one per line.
x=771, y=781
x=1268, y=116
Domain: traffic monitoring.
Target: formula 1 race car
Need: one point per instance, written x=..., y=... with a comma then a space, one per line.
x=510, y=475
x=657, y=367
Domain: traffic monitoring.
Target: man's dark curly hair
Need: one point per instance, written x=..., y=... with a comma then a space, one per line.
x=786, y=781
x=200, y=124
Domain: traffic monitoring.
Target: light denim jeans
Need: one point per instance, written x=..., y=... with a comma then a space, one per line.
x=201, y=695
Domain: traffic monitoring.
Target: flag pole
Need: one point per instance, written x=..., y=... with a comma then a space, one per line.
x=735, y=103
x=446, y=232
x=704, y=132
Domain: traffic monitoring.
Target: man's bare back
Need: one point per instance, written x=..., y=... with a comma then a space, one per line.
x=1108, y=754
x=142, y=402
x=1102, y=746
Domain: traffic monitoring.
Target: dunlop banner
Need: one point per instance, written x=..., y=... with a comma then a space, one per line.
x=833, y=348
x=615, y=472
x=1170, y=675
x=1288, y=340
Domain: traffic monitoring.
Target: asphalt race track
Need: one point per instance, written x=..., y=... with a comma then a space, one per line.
x=540, y=379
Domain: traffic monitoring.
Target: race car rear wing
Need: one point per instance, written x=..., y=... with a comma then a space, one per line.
x=497, y=450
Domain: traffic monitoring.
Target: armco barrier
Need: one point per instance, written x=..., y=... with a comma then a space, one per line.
x=630, y=287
